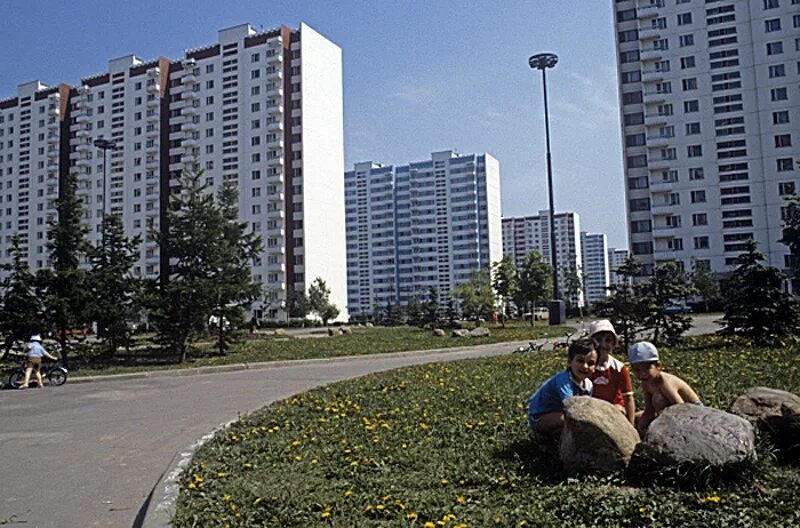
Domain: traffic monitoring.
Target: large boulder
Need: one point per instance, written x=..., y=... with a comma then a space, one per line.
x=480, y=332
x=596, y=438
x=691, y=444
x=459, y=332
x=760, y=403
x=776, y=413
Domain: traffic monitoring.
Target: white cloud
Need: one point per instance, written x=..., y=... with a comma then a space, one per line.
x=414, y=94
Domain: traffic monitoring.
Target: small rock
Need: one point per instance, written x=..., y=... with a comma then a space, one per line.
x=596, y=438
x=439, y=332
x=346, y=330
x=687, y=443
x=460, y=332
x=279, y=332
x=480, y=332
x=369, y=325
x=331, y=332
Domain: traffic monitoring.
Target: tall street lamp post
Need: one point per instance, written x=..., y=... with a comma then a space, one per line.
x=543, y=61
x=104, y=145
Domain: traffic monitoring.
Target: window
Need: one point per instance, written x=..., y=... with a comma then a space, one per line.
x=691, y=106
x=692, y=129
x=689, y=84
x=630, y=98
x=665, y=109
x=640, y=204
x=626, y=15
x=662, y=66
x=785, y=164
x=210, y=85
x=780, y=118
x=783, y=140
x=772, y=24
x=636, y=118
x=786, y=188
x=666, y=131
x=686, y=40
x=634, y=140
x=639, y=161
x=698, y=196
x=696, y=173
x=700, y=219
x=687, y=62
x=659, y=23
x=630, y=35
x=675, y=244
x=664, y=87
x=255, y=74
x=777, y=70
x=694, y=151
x=701, y=242
x=778, y=94
x=771, y=4
x=628, y=56
x=774, y=48
x=684, y=19
x=631, y=77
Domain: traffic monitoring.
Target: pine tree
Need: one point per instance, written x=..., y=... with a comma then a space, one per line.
x=210, y=274
x=115, y=292
x=66, y=295
x=504, y=282
x=625, y=306
x=668, y=285
x=21, y=310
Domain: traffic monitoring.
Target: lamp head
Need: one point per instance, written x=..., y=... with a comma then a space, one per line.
x=105, y=143
x=540, y=61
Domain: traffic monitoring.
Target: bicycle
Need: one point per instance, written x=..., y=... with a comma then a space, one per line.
x=55, y=373
x=532, y=347
x=564, y=344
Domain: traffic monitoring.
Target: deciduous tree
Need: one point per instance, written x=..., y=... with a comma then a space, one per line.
x=319, y=301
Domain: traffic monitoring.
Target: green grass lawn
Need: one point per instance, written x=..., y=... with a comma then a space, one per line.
x=86, y=361
x=447, y=445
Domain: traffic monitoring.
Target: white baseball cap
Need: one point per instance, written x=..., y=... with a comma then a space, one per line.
x=36, y=337
x=642, y=352
x=601, y=325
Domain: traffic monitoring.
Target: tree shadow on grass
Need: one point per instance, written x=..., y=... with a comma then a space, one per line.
x=533, y=458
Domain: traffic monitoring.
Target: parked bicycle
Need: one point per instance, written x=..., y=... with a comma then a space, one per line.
x=55, y=373
x=565, y=343
x=532, y=347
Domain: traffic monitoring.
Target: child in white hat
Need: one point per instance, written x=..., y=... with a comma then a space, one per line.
x=611, y=380
x=661, y=390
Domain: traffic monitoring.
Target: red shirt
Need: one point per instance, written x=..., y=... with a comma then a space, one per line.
x=611, y=381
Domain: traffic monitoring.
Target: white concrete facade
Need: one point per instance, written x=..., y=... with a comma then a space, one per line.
x=524, y=234
x=428, y=224
x=710, y=112
x=261, y=110
x=594, y=250
x=616, y=258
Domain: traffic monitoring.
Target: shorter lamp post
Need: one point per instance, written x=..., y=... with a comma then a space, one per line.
x=104, y=145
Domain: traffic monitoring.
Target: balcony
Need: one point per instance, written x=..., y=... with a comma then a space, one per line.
x=153, y=117
x=152, y=148
x=83, y=147
x=154, y=72
x=189, y=142
x=652, y=76
x=52, y=139
x=275, y=109
x=276, y=267
x=275, y=161
x=654, y=98
x=660, y=163
x=82, y=133
x=153, y=87
x=275, y=179
x=655, y=119
x=276, y=232
x=275, y=92
x=649, y=33
x=152, y=133
x=276, y=214
x=275, y=42
x=664, y=205
x=275, y=144
x=190, y=111
x=189, y=77
x=275, y=197
x=189, y=95
x=276, y=59
x=83, y=162
x=647, y=11
x=275, y=126
x=277, y=75
x=154, y=102
x=650, y=54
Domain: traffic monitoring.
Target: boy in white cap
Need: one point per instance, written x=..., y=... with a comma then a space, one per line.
x=611, y=380
x=661, y=390
x=35, y=354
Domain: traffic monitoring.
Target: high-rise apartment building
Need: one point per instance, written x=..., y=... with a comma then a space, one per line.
x=524, y=234
x=594, y=250
x=259, y=109
x=711, y=125
x=428, y=224
x=616, y=258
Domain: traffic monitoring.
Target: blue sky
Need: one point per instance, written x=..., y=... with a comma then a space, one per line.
x=419, y=76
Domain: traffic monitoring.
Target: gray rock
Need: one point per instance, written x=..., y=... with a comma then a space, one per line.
x=760, y=403
x=688, y=442
x=777, y=414
x=369, y=325
x=438, y=332
x=596, y=438
x=460, y=332
x=279, y=332
x=331, y=332
x=346, y=330
x=480, y=332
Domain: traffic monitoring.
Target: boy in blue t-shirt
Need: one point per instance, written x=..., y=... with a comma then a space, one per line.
x=546, y=406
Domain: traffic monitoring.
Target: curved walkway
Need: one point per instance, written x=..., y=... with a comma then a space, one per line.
x=89, y=454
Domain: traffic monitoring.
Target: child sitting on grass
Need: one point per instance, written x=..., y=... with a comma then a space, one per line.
x=661, y=390
x=546, y=406
x=611, y=380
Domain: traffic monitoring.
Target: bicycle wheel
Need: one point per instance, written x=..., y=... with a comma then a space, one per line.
x=16, y=378
x=57, y=377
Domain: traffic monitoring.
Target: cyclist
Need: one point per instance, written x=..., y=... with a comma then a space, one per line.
x=35, y=354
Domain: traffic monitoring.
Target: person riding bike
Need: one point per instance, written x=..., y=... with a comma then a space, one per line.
x=35, y=354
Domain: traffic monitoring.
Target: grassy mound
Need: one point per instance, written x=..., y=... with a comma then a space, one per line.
x=448, y=445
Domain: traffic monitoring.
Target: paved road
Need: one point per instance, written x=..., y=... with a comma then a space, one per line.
x=89, y=454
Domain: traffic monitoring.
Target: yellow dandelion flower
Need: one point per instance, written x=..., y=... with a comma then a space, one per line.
x=348, y=493
x=325, y=514
x=411, y=516
x=460, y=499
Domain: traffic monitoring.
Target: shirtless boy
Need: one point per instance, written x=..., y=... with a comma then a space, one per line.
x=661, y=389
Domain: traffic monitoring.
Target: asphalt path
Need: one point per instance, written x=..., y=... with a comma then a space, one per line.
x=89, y=454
